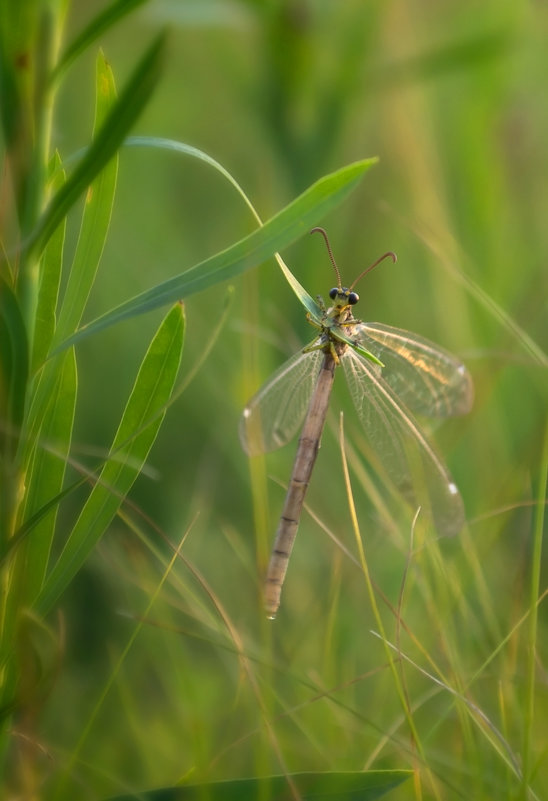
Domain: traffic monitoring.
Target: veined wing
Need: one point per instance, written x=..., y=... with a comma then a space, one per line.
x=274, y=415
x=429, y=379
x=403, y=450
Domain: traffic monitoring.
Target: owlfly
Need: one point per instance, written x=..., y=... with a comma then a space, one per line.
x=391, y=374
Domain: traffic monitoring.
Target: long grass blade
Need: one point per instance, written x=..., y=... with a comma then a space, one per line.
x=96, y=216
x=46, y=472
x=132, y=101
x=51, y=265
x=277, y=233
x=14, y=358
x=136, y=433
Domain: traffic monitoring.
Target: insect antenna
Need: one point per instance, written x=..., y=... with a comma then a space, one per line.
x=384, y=256
x=331, y=256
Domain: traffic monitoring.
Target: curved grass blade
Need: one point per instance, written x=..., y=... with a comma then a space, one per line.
x=133, y=99
x=278, y=232
x=161, y=143
x=348, y=786
x=136, y=433
x=180, y=147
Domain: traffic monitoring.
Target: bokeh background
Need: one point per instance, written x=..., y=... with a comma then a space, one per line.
x=452, y=99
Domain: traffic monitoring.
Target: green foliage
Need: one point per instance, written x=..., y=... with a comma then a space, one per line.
x=134, y=533
x=106, y=142
x=308, y=786
x=278, y=232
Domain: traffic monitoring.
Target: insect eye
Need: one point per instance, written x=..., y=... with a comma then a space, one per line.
x=353, y=298
x=333, y=293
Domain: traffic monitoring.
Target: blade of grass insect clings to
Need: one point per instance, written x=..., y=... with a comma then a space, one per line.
x=532, y=638
x=96, y=215
x=280, y=231
x=112, y=133
x=180, y=147
x=373, y=601
x=136, y=433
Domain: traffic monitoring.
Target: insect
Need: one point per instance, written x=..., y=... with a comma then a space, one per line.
x=391, y=374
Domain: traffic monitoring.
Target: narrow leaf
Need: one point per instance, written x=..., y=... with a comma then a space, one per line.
x=46, y=473
x=277, y=233
x=96, y=216
x=126, y=111
x=307, y=300
x=14, y=359
x=99, y=24
x=50, y=276
x=138, y=428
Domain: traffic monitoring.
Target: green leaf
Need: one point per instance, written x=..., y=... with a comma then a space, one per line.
x=99, y=24
x=14, y=360
x=349, y=786
x=277, y=233
x=171, y=145
x=46, y=472
x=307, y=300
x=124, y=114
x=136, y=433
x=96, y=216
x=51, y=265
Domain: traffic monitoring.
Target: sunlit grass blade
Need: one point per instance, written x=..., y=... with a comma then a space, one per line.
x=136, y=433
x=130, y=104
x=171, y=145
x=348, y=786
x=277, y=233
x=307, y=300
x=112, y=14
x=96, y=215
x=180, y=147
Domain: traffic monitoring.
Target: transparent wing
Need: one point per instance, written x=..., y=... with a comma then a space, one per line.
x=401, y=447
x=428, y=379
x=274, y=415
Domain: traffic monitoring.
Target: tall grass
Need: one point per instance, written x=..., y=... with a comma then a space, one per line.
x=134, y=532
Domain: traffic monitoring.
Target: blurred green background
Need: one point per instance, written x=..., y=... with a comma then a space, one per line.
x=452, y=98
